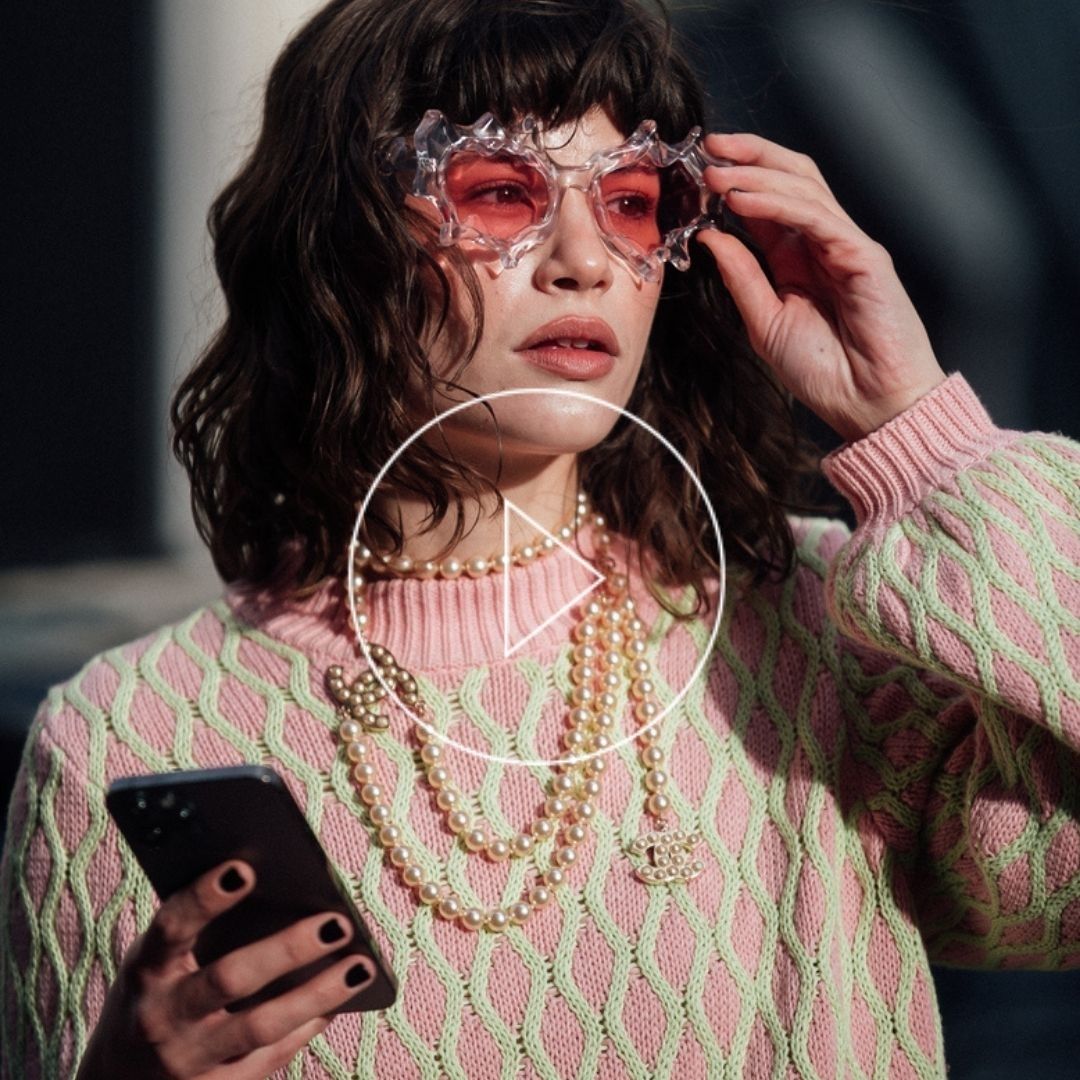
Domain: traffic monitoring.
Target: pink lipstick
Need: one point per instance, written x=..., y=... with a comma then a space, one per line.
x=572, y=347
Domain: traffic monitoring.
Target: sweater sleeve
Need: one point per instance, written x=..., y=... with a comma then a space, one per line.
x=70, y=901
x=965, y=565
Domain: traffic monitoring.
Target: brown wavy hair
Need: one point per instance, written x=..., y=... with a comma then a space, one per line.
x=330, y=281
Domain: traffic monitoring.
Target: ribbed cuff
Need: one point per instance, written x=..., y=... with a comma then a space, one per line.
x=888, y=471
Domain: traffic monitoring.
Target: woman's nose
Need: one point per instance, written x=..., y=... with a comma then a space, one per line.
x=574, y=256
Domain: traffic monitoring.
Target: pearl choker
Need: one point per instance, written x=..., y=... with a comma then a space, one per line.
x=450, y=568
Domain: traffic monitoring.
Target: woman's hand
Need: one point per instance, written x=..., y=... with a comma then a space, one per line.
x=165, y=1016
x=838, y=329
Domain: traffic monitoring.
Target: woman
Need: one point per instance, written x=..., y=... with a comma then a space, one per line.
x=872, y=768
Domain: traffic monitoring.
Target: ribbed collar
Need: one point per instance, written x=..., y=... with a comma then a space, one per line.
x=427, y=625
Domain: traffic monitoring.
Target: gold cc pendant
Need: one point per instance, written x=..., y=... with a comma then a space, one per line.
x=672, y=853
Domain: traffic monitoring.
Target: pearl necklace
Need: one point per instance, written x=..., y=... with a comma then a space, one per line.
x=609, y=650
x=452, y=567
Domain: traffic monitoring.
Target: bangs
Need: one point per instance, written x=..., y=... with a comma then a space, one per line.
x=552, y=58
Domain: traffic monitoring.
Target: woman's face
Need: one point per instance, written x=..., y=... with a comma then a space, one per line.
x=570, y=289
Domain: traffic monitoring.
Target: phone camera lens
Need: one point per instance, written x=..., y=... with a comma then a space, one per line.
x=154, y=836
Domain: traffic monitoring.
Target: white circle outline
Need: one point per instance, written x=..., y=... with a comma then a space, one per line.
x=519, y=392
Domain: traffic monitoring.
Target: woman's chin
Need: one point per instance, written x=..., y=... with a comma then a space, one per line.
x=536, y=425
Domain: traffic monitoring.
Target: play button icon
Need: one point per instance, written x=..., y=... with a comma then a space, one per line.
x=572, y=578
x=512, y=641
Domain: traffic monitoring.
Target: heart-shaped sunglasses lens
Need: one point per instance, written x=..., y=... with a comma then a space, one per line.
x=499, y=195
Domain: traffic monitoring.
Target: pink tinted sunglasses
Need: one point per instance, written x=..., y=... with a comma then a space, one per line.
x=493, y=186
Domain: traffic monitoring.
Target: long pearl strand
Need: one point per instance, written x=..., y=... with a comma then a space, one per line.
x=609, y=651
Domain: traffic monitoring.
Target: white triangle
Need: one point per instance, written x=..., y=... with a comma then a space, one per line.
x=508, y=509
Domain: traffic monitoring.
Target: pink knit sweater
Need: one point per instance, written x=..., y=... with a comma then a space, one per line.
x=881, y=757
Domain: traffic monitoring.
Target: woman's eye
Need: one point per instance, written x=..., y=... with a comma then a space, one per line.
x=632, y=206
x=500, y=194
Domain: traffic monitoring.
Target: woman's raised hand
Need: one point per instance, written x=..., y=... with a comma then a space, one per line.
x=166, y=1017
x=836, y=325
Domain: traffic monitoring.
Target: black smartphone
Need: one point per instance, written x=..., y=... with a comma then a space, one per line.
x=182, y=824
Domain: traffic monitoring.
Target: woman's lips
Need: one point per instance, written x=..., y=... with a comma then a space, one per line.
x=579, y=347
x=580, y=365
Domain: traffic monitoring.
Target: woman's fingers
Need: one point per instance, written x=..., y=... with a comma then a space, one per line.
x=200, y=1044
x=744, y=279
x=842, y=242
x=746, y=149
x=248, y=969
x=172, y=1013
x=829, y=314
x=180, y=919
x=733, y=179
x=265, y=1025
x=268, y=1059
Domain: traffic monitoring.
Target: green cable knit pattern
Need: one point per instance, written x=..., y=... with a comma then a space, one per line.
x=1008, y=528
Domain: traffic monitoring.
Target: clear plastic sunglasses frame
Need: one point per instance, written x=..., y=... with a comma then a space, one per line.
x=428, y=153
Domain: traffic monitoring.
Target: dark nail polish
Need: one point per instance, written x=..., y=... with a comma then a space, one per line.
x=331, y=931
x=231, y=880
x=357, y=974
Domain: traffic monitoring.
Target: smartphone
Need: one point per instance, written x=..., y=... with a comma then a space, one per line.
x=182, y=824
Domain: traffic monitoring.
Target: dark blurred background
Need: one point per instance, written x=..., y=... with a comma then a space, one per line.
x=950, y=131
